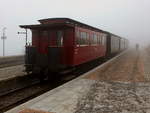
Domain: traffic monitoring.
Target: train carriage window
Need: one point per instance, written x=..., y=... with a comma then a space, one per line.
x=59, y=38
x=99, y=40
x=103, y=39
x=92, y=39
x=83, y=38
x=78, y=38
x=77, y=34
x=95, y=39
x=87, y=38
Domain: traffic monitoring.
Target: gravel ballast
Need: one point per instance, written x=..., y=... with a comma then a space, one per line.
x=123, y=87
x=115, y=97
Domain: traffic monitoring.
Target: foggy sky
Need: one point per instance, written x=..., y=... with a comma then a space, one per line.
x=126, y=18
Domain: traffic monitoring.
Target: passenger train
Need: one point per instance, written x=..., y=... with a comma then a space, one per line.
x=62, y=43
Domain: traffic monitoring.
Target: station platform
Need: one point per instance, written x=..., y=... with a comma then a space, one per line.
x=8, y=61
x=11, y=72
x=11, y=66
x=117, y=86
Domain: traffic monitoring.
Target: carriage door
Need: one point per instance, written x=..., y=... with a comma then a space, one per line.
x=43, y=42
x=59, y=38
x=55, y=50
x=41, y=57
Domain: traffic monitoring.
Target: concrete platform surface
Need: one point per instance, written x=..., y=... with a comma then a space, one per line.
x=33, y=111
x=11, y=72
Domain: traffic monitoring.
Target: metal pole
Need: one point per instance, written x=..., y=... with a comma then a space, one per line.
x=3, y=38
x=3, y=47
x=26, y=37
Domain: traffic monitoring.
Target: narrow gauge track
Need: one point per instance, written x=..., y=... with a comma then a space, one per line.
x=11, y=90
x=17, y=83
x=30, y=89
x=20, y=95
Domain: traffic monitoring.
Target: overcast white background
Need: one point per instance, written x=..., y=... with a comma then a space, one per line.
x=127, y=18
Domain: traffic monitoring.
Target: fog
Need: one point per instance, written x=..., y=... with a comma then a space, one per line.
x=126, y=18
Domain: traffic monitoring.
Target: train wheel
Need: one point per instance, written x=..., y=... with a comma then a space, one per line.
x=53, y=76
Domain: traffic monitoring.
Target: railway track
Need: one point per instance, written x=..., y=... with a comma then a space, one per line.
x=14, y=84
x=7, y=92
x=21, y=94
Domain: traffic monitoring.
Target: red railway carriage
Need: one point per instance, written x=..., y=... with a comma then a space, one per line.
x=59, y=43
x=89, y=45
